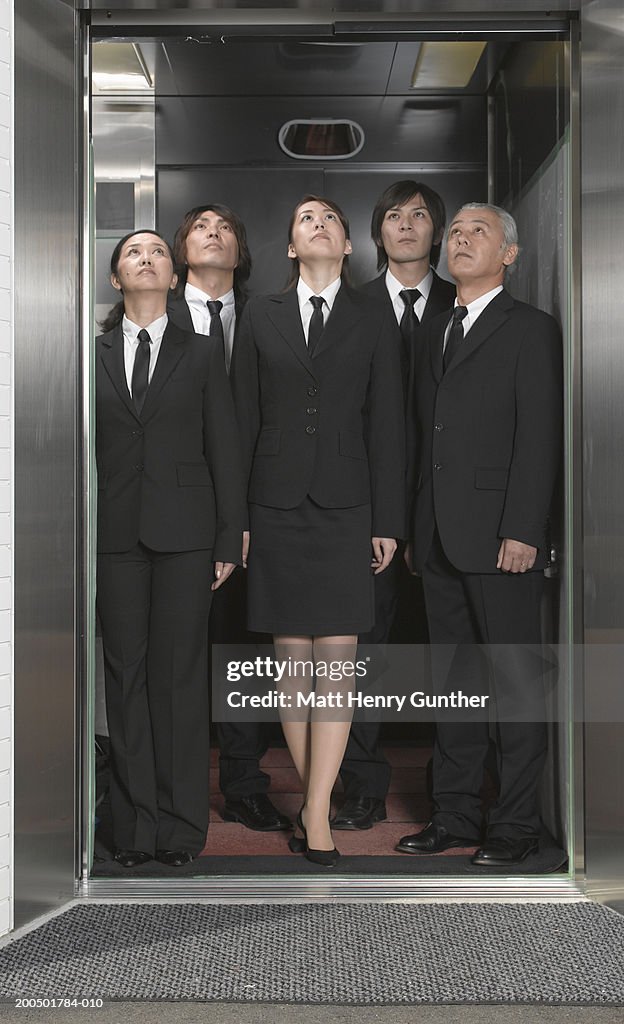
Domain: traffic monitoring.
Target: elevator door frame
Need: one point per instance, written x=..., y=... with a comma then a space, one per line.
x=345, y=887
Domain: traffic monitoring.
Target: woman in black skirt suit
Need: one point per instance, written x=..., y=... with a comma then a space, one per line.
x=317, y=387
x=170, y=521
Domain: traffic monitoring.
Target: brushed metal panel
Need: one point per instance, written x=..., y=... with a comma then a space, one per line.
x=531, y=96
x=265, y=197
x=46, y=397
x=543, y=277
x=147, y=11
x=337, y=889
x=602, y=105
x=123, y=133
x=244, y=131
x=238, y=69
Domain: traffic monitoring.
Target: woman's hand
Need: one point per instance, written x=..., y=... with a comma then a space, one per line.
x=383, y=549
x=222, y=571
x=245, y=547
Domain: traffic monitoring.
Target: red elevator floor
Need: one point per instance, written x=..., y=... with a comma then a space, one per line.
x=407, y=806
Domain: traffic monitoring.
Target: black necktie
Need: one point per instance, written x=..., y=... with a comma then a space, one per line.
x=315, y=328
x=456, y=336
x=140, y=370
x=216, y=326
x=409, y=321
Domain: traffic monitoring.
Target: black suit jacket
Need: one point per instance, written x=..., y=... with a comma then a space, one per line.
x=488, y=436
x=330, y=425
x=170, y=477
x=179, y=313
x=441, y=296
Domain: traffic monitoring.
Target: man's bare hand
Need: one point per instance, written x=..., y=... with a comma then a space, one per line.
x=514, y=556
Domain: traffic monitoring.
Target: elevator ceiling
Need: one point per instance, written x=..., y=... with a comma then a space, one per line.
x=222, y=66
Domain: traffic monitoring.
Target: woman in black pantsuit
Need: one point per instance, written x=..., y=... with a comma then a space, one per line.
x=170, y=519
x=317, y=386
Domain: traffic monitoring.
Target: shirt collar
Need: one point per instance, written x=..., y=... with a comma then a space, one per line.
x=155, y=330
x=476, y=307
x=329, y=294
x=196, y=295
x=394, y=286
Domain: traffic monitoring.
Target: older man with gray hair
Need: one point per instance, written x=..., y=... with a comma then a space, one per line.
x=487, y=405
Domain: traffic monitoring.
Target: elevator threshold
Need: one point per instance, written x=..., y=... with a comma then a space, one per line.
x=233, y=850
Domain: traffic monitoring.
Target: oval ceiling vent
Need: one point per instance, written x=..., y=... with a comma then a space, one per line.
x=321, y=138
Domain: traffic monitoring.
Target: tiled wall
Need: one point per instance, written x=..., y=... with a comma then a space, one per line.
x=6, y=460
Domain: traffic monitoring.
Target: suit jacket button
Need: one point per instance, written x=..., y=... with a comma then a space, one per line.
x=139, y=467
x=312, y=392
x=439, y=426
x=310, y=430
x=437, y=466
x=310, y=410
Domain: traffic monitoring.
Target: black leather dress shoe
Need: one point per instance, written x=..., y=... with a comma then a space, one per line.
x=297, y=844
x=503, y=851
x=433, y=839
x=174, y=858
x=360, y=813
x=131, y=858
x=257, y=813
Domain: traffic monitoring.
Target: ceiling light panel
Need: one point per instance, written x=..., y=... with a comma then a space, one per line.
x=446, y=65
x=120, y=67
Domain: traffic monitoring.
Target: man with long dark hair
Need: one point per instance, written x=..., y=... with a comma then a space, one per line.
x=214, y=264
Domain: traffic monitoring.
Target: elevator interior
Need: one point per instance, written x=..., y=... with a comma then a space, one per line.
x=180, y=120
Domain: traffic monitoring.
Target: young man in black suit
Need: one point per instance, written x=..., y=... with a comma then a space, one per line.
x=488, y=406
x=211, y=251
x=407, y=228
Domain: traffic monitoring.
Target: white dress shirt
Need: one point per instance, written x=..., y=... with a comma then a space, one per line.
x=200, y=315
x=475, y=310
x=395, y=288
x=131, y=343
x=306, y=308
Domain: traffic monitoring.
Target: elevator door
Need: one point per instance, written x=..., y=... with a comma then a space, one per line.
x=204, y=127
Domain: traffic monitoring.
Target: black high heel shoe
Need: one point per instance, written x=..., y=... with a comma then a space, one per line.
x=297, y=844
x=326, y=858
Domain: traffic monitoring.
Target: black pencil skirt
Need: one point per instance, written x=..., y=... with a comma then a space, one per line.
x=310, y=570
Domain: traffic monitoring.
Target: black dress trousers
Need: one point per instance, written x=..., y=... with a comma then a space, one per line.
x=365, y=771
x=501, y=610
x=242, y=745
x=154, y=608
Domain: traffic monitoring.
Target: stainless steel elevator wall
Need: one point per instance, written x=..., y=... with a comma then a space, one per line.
x=47, y=390
x=602, y=197
x=530, y=176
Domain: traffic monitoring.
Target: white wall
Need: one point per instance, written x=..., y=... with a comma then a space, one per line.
x=6, y=461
